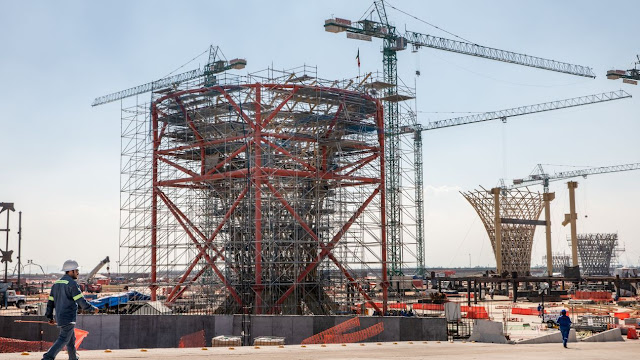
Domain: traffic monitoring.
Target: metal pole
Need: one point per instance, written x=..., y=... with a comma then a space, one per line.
x=573, y=216
x=6, y=248
x=19, y=246
x=548, y=197
x=498, y=226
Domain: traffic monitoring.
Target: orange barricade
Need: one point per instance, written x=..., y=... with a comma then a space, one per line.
x=193, y=340
x=80, y=335
x=331, y=333
x=631, y=333
x=621, y=315
x=335, y=335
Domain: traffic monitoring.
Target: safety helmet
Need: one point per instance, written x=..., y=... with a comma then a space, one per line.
x=69, y=265
x=563, y=312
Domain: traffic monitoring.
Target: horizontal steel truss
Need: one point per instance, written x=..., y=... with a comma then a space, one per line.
x=517, y=239
x=259, y=176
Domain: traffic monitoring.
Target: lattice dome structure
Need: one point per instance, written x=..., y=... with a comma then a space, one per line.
x=517, y=239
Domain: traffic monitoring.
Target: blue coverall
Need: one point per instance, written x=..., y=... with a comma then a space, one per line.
x=565, y=325
x=64, y=298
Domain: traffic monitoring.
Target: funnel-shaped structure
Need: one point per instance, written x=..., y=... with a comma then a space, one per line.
x=517, y=238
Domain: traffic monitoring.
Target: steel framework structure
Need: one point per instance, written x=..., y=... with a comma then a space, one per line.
x=258, y=194
x=595, y=252
x=516, y=238
x=559, y=261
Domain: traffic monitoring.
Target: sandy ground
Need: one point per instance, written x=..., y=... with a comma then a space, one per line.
x=404, y=350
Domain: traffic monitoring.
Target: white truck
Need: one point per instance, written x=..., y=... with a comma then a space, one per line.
x=551, y=318
x=13, y=299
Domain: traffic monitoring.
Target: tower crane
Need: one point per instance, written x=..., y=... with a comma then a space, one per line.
x=394, y=41
x=540, y=177
x=629, y=76
x=216, y=64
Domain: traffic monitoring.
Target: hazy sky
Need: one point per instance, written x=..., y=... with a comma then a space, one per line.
x=60, y=157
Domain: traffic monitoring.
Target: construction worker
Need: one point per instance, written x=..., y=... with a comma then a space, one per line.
x=64, y=298
x=565, y=325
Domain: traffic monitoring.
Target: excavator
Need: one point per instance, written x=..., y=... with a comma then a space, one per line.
x=86, y=284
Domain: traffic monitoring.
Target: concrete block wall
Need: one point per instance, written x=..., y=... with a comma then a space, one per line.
x=165, y=331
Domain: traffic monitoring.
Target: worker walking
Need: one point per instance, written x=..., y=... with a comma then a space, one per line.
x=64, y=298
x=565, y=325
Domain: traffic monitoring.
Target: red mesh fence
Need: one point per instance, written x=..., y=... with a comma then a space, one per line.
x=9, y=345
x=193, y=340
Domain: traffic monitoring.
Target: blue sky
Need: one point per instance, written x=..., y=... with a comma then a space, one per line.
x=60, y=158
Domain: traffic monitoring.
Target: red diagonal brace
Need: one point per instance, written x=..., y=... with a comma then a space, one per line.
x=326, y=249
x=178, y=215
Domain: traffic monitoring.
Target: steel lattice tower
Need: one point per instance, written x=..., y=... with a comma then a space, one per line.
x=595, y=252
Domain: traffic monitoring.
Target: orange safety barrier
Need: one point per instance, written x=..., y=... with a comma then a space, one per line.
x=9, y=345
x=436, y=307
x=332, y=332
x=357, y=336
x=631, y=333
x=621, y=315
x=193, y=340
x=80, y=335
x=592, y=295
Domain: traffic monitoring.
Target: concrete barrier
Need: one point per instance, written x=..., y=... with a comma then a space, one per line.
x=487, y=331
x=165, y=331
x=609, y=335
x=555, y=337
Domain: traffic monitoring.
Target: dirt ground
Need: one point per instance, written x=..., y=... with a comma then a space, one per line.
x=404, y=350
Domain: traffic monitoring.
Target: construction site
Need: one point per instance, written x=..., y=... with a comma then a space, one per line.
x=280, y=208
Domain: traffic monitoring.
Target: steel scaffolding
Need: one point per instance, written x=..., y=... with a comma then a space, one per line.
x=516, y=238
x=261, y=193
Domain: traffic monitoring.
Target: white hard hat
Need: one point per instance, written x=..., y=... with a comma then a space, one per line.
x=69, y=265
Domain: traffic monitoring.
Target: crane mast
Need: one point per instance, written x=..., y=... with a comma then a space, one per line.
x=392, y=43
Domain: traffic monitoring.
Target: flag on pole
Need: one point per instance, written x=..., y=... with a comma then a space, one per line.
x=358, y=57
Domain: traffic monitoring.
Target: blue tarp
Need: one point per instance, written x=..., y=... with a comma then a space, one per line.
x=118, y=299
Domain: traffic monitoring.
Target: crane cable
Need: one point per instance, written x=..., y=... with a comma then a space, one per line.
x=439, y=28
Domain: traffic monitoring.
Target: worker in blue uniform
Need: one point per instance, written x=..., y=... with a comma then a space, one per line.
x=64, y=298
x=565, y=325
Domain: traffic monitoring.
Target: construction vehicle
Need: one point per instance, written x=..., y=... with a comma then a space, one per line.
x=86, y=283
x=14, y=299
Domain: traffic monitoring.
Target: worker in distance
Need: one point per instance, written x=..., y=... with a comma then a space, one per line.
x=565, y=325
x=65, y=297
